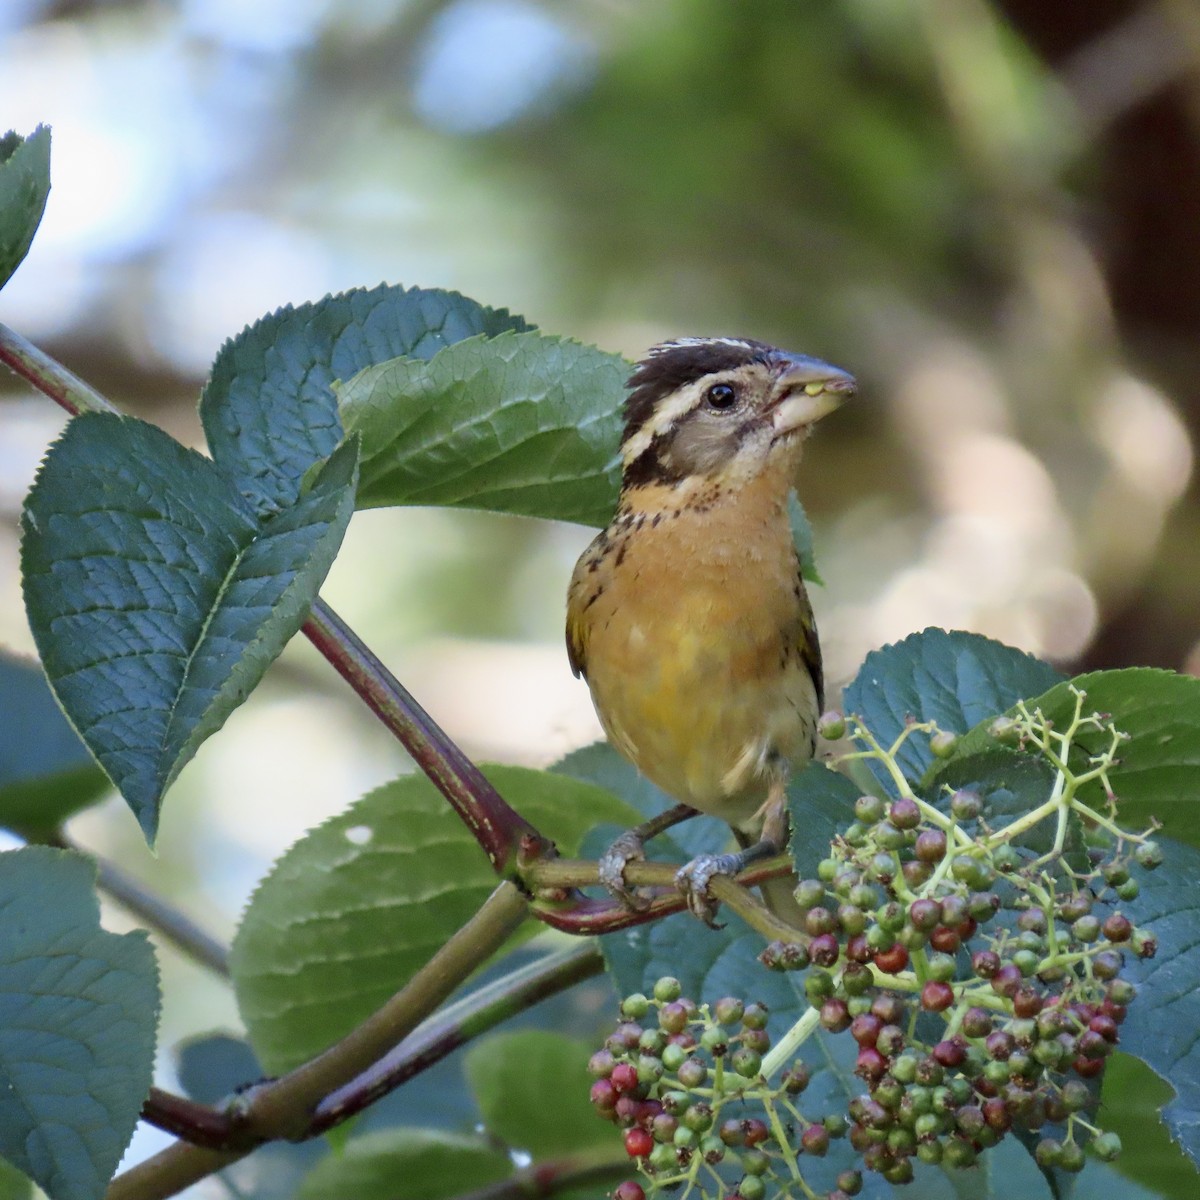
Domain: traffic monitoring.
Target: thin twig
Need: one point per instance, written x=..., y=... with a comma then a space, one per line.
x=456, y=1025
x=49, y=376
x=497, y=827
x=582, y=916
x=155, y=910
x=553, y=1177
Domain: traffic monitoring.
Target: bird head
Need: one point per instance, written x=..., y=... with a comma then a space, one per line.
x=722, y=410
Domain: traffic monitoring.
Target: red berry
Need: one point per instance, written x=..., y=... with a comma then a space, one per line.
x=638, y=1143
x=604, y=1096
x=835, y=1015
x=936, y=996
x=1104, y=1025
x=1088, y=1068
x=624, y=1077
x=629, y=1190
x=871, y=1065
x=985, y=963
x=1117, y=928
x=824, y=950
x=945, y=940
x=755, y=1131
x=905, y=814
x=931, y=846
x=996, y=1114
x=815, y=1140
x=857, y=950
x=864, y=1029
x=1027, y=1003
x=950, y=1053
x=1007, y=981
x=892, y=961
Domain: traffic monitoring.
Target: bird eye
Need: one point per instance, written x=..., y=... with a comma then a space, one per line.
x=721, y=396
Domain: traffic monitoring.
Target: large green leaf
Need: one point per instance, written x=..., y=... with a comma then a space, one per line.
x=1132, y=1098
x=512, y=1074
x=1165, y=1014
x=156, y=599
x=269, y=410
x=519, y=423
x=24, y=186
x=406, y=1164
x=78, y=1011
x=46, y=772
x=1158, y=774
x=360, y=903
x=955, y=679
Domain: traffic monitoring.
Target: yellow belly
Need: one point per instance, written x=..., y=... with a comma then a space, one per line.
x=693, y=661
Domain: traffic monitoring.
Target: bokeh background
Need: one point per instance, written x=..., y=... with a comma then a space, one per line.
x=989, y=210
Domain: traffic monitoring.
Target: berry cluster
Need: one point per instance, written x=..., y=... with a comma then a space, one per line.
x=976, y=965
x=685, y=1082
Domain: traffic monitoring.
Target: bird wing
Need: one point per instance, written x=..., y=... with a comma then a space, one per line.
x=810, y=648
x=576, y=642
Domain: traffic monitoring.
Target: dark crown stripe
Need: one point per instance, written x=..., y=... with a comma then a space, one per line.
x=675, y=364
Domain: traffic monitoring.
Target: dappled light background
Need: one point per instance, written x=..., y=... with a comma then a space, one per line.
x=986, y=210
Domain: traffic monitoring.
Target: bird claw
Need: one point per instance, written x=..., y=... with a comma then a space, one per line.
x=693, y=881
x=626, y=849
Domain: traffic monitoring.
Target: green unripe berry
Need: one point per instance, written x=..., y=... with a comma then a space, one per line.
x=667, y=989
x=697, y=1117
x=888, y=837
x=1106, y=1146
x=634, y=1007
x=959, y=1154
x=827, y=869
x=831, y=726
x=941, y=967
x=684, y=1138
x=746, y=1062
x=930, y=1152
x=1086, y=929
x=1026, y=961
x=1005, y=730
x=1070, y=1158
x=1129, y=890
x=673, y=1056
x=965, y=805
x=662, y=1159
x=943, y=743
x=715, y=1040
x=752, y=1188
x=728, y=1010
x=1150, y=856
x=754, y=1162
x=756, y=1015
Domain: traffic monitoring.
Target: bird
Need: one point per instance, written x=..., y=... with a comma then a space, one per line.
x=688, y=616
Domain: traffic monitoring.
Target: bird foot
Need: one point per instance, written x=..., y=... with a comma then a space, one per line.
x=694, y=878
x=629, y=847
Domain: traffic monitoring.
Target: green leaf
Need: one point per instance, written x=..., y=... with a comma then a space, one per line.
x=268, y=408
x=155, y=598
x=802, y=535
x=1131, y=1100
x=78, y=1010
x=519, y=423
x=406, y=1164
x=1165, y=1014
x=1158, y=774
x=513, y=1074
x=46, y=772
x=955, y=679
x=14, y=1185
x=24, y=186
x=359, y=904
x=600, y=764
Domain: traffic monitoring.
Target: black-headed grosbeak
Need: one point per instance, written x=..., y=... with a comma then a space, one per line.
x=688, y=615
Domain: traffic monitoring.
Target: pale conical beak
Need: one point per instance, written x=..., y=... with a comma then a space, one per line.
x=807, y=390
